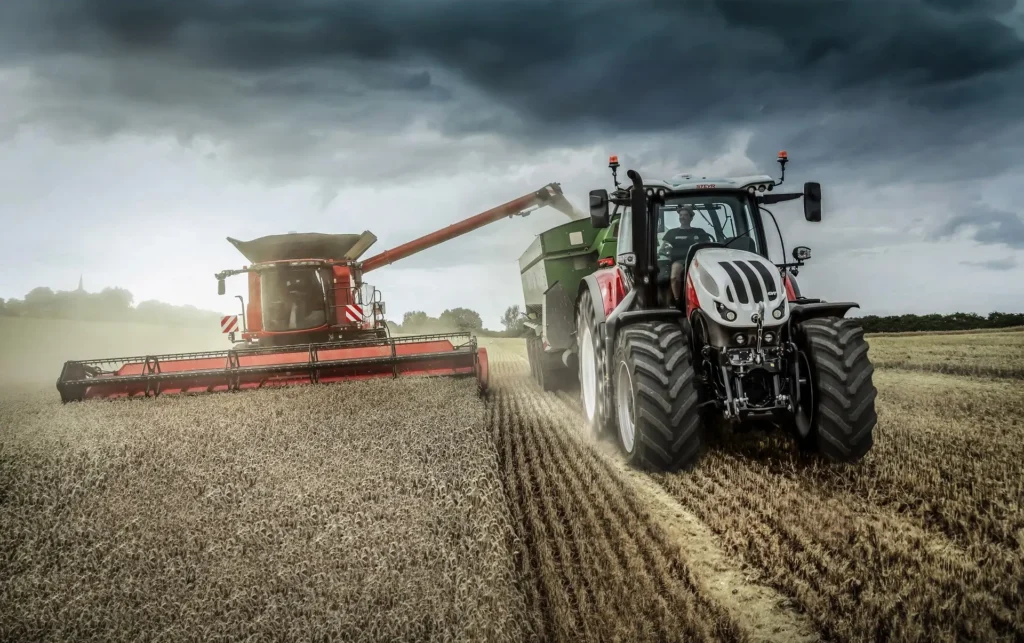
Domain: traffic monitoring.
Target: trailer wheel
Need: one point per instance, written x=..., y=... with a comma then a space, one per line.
x=546, y=369
x=531, y=347
x=592, y=366
x=656, y=401
x=842, y=410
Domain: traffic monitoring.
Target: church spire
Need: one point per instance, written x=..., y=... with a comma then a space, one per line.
x=81, y=288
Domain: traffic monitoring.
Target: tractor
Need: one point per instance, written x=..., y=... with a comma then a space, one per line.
x=667, y=309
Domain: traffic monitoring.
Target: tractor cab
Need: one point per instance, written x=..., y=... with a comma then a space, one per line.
x=687, y=213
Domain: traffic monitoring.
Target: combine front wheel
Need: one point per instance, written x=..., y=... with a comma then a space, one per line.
x=841, y=413
x=483, y=375
x=656, y=398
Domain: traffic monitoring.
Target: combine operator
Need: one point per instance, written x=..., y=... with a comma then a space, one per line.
x=677, y=242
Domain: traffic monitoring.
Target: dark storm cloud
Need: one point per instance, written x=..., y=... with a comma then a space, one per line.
x=986, y=225
x=849, y=78
x=1008, y=263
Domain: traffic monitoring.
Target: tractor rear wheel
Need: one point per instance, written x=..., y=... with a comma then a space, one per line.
x=656, y=399
x=841, y=413
x=592, y=366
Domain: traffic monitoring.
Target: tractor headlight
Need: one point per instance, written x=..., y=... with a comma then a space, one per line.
x=769, y=337
x=728, y=315
x=740, y=339
x=780, y=311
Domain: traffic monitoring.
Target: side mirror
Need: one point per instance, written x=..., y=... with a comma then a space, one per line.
x=599, y=208
x=801, y=253
x=220, y=287
x=812, y=202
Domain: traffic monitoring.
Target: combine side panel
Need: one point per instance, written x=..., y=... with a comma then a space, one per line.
x=254, y=309
x=343, y=294
x=146, y=376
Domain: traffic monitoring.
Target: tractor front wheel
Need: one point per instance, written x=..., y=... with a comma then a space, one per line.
x=656, y=399
x=841, y=410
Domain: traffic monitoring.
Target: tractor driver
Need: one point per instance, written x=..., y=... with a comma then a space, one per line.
x=677, y=243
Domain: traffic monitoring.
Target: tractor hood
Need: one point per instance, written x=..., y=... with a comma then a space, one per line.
x=726, y=279
x=305, y=245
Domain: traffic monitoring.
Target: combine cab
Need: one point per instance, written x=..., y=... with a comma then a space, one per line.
x=310, y=319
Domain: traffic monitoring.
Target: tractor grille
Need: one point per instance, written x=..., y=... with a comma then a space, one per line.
x=757, y=275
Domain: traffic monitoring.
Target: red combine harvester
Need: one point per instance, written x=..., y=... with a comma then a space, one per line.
x=310, y=319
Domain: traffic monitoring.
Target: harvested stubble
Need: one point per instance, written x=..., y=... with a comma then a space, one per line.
x=934, y=333
x=922, y=541
x=373, y=511
x=596, y=565
x=991, y=354
x=363, y=511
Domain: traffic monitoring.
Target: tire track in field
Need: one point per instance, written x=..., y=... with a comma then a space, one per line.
x=595, y=550
x=862, y=574
x=671, y=542
x=913, y=543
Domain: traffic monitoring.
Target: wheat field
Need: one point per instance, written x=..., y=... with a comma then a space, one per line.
x=990, y=353
x=417, y=510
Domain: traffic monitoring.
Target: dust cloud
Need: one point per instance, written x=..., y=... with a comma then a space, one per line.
x=32, y=351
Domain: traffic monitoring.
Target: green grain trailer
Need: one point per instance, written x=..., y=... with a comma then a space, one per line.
x=551, y=269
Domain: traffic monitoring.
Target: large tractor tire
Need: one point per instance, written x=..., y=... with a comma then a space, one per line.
x=592, y=366
x=841, y=413
x=656, y=400
x=547, y=369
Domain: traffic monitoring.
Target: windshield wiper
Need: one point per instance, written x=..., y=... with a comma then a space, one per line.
x=740, y=236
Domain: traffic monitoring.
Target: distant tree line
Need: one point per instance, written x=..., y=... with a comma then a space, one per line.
x=116, y=304
x=954, y=321
x=513, y=321
x=460, y=320
x=451, y=320
x=108, y=305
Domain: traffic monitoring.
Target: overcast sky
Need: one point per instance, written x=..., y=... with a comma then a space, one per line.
x=136, y=136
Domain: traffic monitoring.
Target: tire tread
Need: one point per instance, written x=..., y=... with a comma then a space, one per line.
x=845, y=413
x=667, y=422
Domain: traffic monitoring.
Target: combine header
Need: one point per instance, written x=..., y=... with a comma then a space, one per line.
x=310, y=319
x=231, y=370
